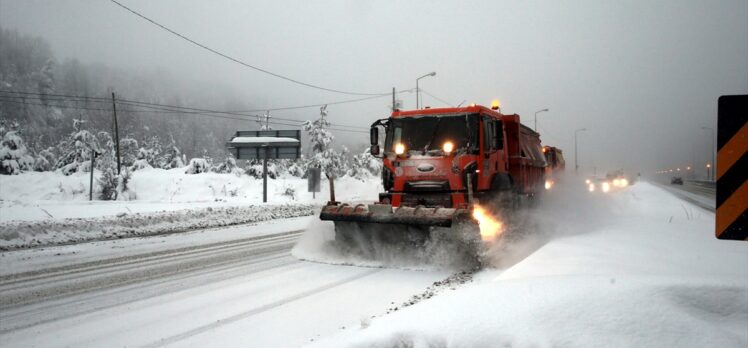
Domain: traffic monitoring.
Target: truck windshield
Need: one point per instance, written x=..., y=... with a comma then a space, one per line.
x=427, y=134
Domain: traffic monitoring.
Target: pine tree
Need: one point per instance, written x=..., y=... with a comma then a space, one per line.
x=76, y=150
x=14, y=157
x=323, y=155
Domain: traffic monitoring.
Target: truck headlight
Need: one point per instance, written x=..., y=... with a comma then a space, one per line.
x=399, y=149
x=448, y=147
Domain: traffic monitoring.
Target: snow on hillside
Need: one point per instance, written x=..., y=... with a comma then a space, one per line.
x=50, y=208
x=637, y=268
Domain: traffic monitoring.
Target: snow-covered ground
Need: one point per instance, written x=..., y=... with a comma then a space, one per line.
x=50, y=195
x=50, y=208
x=235, y=286
x=636, y=268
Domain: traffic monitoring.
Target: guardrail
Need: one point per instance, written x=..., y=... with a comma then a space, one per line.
x=705, y=183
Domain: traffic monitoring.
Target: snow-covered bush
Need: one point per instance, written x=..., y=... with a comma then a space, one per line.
x=123, y=190
x=108, y=182
x=254, y=169
x=288, y=191
x=151, y=151
x=140, y=164
x=297, y=169
x=14, y=157
x=45, y=160
x=197, y=166
x=228, y=166
x=364, y=165
x=146, y=158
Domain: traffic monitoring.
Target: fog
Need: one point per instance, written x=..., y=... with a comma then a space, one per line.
x=642, y=77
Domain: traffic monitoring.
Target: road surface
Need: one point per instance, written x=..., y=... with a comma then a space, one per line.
x=701, y=195
x=220, y=287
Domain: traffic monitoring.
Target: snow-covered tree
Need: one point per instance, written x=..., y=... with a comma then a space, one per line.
x=171, y=157
x=14, y=157
x=76, y=150
x=323, y=155
x=128, y=151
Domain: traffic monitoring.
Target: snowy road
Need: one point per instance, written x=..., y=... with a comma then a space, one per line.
x=230, y=286
x=699, y=195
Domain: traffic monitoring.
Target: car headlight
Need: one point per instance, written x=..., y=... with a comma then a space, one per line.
x=606, y=186
x=448, y=147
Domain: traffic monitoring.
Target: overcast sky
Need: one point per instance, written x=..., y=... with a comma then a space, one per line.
x=642, y=76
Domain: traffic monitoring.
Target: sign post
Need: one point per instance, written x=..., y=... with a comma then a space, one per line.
x=266, y=144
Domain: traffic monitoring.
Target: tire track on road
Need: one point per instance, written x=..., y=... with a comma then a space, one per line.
x=204, y=328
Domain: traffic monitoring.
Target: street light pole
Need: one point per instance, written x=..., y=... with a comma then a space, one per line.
x=576, y=163
x=418, y=101
x=711, y=149
x=536, y=117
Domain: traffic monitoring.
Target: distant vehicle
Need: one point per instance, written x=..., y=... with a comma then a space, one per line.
x=554, y=157
x=676, y=180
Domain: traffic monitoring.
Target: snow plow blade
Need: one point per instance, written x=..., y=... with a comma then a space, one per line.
x=384, y=214
x=374, y=229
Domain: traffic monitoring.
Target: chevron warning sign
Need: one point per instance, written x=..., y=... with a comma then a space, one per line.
x=732, y=167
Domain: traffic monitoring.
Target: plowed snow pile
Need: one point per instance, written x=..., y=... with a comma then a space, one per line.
x=633, y=268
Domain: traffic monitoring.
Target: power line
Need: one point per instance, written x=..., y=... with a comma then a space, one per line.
x=178, y=109
x=435, y=97
x=160, y=112
x=239, y=61
x=164, y=108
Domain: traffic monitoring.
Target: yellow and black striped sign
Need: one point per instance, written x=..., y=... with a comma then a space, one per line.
x=732, y=168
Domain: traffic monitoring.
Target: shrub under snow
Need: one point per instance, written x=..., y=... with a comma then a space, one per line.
x=197, y=166
x=14, y=156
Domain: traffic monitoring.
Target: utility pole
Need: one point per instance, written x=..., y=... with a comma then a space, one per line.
x=576, y=163
x=266, y=150
x=394, y=105
x=93, y=164
x=116, y=134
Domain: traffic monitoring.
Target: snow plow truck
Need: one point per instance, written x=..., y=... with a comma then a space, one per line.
x=448, y=173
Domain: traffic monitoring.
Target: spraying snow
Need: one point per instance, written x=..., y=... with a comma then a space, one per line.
x=632, y=267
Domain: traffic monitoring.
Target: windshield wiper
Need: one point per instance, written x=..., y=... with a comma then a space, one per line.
x=436, y=129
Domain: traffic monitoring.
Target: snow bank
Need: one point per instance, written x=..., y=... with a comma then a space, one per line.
x=48, y=195
x=638, y=267
x=50, y=208
x=22, y=234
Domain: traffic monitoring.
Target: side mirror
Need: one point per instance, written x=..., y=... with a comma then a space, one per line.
x=374, y=150
x=374, y=136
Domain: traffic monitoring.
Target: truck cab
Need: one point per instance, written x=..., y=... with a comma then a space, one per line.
x=448, y=157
